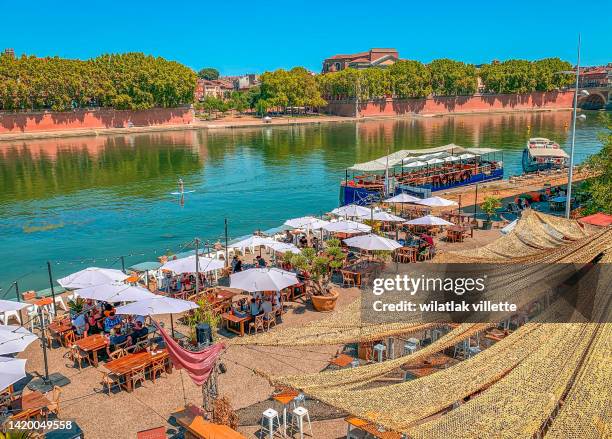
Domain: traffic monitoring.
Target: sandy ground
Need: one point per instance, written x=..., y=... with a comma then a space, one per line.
x=123, y=414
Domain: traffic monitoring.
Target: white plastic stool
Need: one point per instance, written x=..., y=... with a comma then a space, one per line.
x=409, y=348
x=473, y=350
x=32, y=313
x=269, y=417
x=380, y=349
x=299, y=413
x=9, y=314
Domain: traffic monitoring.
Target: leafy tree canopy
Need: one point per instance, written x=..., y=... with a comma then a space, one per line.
x=209, y=73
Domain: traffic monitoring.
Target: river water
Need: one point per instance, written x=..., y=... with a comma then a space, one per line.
x=87, y=201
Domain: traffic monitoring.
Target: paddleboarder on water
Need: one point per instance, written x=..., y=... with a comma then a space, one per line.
x=181, y=186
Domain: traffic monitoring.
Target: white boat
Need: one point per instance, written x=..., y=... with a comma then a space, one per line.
x=542, y=153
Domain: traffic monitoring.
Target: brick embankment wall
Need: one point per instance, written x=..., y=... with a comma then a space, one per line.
x=454, y=104
x=13, y=123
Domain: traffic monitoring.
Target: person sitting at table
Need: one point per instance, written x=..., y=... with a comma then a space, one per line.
x=254, y=308
x=140, y=332
x=79, y=323
x=266, y=306
x=238, y=265
x=260, y=262
x=111, y=321
x=114, y=338
x=428, y=239
x=303, y=241
x=288, y=237
x=238, y=310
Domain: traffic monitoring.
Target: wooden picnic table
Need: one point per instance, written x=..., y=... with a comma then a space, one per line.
x=123, y=366
x=33, y=403
x=198, y=428
x=239, y=321
x=428, y=366
x=370, y=428
x=92, y=344
x=60, y=327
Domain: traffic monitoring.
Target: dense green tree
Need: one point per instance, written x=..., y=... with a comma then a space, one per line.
x=126, y=81
x=293, y=88
x=512, y=76
x=208, y=73
x=550, y=74
x=239, y=101
x=599, y=188
x=451, y=78
x=410, y=79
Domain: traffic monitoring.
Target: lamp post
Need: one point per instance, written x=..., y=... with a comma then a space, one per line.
x=570, y=176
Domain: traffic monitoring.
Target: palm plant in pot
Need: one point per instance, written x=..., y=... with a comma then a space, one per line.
x=489, y=206
x=319, y=269
x=76, y=306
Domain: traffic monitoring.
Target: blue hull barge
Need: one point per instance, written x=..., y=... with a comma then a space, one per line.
x=420, y=172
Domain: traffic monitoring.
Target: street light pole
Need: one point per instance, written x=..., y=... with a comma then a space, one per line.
x=570, y=177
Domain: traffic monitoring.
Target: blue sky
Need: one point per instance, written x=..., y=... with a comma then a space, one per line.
x=253, y=36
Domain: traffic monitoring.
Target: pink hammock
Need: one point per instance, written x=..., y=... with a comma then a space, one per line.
x=198, y=365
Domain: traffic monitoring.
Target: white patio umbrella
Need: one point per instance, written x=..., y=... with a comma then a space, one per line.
x=402, y=198
x=156, y=305
x=306, y=222
x=11, y=371
x=385, y=216
x=347, y=226
x=436, y=202
x=14, y=339
x=283, y=247
x=372, y=242
x=416, y=164
x=429, y=220
x=263, y=279
x=91, y=276
x=115, y=292
x=352, y=211
x=11, y=305
x=188, y=265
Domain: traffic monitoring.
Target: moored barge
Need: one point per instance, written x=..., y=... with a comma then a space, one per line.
x=420, y=172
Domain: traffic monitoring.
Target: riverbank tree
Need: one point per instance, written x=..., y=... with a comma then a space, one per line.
x=520, y=76
x=131, y=81
x=599, y=189
x=289, y=88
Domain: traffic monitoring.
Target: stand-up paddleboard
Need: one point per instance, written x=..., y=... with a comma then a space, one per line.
x=181, y=189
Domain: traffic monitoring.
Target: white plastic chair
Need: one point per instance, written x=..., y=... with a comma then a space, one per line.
x=11, y=314
x=59, y=301
x=32, y=313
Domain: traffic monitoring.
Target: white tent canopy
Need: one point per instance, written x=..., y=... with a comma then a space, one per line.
x=188, y=265
x=385, y=216
x=263, y=279
x=115, y=292
x=11, y=305
x=11, y=371
x=415, y=164
x=156, y=305
x=466, y=156
x=407, y=156
x=352, y=211
x=402, y=198
x=429, y=220
x=91, y=276
x=436, y=202
x=372, y=242
x=14, y=339
x=452, y=158
x=347, y=226
x=434, y=161
x=283, y=247
x=252, y=241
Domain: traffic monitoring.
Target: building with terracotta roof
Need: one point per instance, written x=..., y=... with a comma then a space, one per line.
x=217, y=88
x=372, y=58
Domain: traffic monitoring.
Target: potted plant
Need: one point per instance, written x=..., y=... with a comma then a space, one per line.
x=319, y=268
x=489, y=206
x=76, y=306
x=203, y=314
